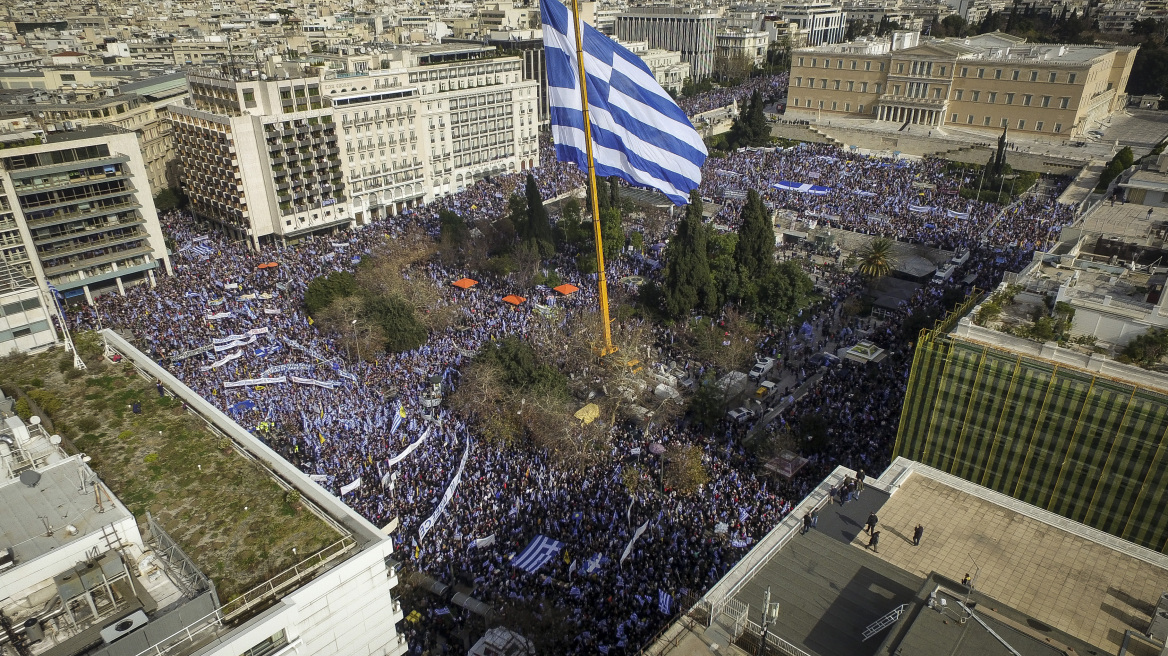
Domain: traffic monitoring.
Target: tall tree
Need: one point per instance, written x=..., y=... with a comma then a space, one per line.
x=539, y=227
x=612, y=233
x=688, y=285
x=517, y=212
x=754, y=254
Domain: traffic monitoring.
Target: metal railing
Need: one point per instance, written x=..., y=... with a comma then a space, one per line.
x=182, y=570
x=286, y=579
x=774, y=643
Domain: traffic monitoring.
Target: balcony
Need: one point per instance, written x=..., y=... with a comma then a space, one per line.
x=69, y=249
x=99, y=210
x=104, y=258
x=127, y=222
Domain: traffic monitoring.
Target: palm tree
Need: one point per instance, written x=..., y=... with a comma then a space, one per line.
x=876, y=258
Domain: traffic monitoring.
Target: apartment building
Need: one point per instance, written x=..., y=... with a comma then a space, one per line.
x=822, y=21
x=77, y=211
x=750, y=45
x=694, y=35
x=982, y=84
x=301, y=149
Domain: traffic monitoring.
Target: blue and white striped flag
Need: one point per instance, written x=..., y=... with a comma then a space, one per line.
x=592, y=565
x=397, y=419
x=638, y=133
x=664, y=601
x=537, y=554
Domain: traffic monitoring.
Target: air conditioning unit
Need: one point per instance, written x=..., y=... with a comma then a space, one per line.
x=127, y=624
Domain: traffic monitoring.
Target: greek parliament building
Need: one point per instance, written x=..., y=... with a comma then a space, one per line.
x=983, y=83
x=291, y=148
x=694, y=35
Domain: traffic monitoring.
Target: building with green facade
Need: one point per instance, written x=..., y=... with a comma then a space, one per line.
x=1066, y=429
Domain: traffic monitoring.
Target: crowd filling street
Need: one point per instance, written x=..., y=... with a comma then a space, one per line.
x=352, y=419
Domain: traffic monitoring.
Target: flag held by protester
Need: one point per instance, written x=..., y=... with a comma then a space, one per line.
x=537, y=554
x=638, y=133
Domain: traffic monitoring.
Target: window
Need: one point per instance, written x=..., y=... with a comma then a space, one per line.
x=1038, y=126
x=851, y=85
x=1033, y=76
x=1009, y=99
x=1021, y=124
x=864, y=87
x=954, y=119
x=798, y=81
x=1064, y=102
x=811, y=82
x=998, y=74
x=1026, y=98
x=975, y=96
x=986, y=121
x=958, y=94
x=1071, y=78
x=900, y=68
x=1014, y=76
x=839, y=64
x=877, y=87
x=853, y=64
x=1005, y=122
x=833, y=105
x=1053, y=76
x=867, y=65
x=969, y=119
x=800, y=61
x=268, y=645
x=823, y=83
x=814, y=62
x=837, y=85
x=1058, y=127
x=248, y=95
x=964, y=71
x=861, y=109
x=1046, y=101
x=937, y=93
x=896, y=89
x=942, y=71
x=980, y=72
x=993, y=97
x=68, y=77
x=847, y=107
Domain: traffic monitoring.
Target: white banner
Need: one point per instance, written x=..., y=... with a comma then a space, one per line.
x=231, y=345
x=447, y=496
x=637, y=534
x=248, y=297
x=409, y=449
x=271, y=311
x=331, y=384
x=318, y=478
x=221, y=315
x=191, y=353
x=484, y=542
x=248, y=382
x=219, y=363
x=228, y=339
x=258, y=331
x=285, y=368
x=351, y=486
x=231, y=285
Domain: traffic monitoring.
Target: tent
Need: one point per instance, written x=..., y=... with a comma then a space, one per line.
x=465, y=283
x=566, y=289
x=513, y=299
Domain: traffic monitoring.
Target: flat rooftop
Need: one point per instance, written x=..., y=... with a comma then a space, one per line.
x=1040, y=579
x=1127, y=221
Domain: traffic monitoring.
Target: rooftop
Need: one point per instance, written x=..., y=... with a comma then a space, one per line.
x=1040, y=579
x=88, y=132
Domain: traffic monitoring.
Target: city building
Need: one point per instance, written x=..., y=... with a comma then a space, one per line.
x=25, y=321
x=1148, y=186
x=298, y=149
x=1063, y=419
x=987, y=574
x=744, y=45
x=980, y=84
x=84, y=216
x=823, y=22
x=667, y=67
x=694, y=35
x=78, y=576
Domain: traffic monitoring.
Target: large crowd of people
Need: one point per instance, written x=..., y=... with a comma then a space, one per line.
x=220, y=323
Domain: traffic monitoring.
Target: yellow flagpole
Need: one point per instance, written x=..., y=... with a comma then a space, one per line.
x=607, y=348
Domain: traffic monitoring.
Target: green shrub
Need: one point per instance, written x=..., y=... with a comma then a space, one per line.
x=88, y=424
x=323, y=290
x=292, y=497
x=22, y=409
x=48, y=401
x=125, y=435
x=65, y=364
x=153, y=457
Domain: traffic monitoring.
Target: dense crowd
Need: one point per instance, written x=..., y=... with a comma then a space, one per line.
x=220, y=323
x=771, y=87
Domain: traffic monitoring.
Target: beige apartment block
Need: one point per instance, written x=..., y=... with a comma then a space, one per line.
x=984, y=84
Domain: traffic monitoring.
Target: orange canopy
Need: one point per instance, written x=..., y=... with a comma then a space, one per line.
x=566, y=289
x=513, y=299
x=273, y=264
x=465, y=283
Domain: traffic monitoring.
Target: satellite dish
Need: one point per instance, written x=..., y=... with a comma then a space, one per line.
x=54, y=440
x=30, y=477
x=34, y=420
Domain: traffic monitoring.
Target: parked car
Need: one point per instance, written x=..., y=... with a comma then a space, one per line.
x=740, y=415
x=761, y=368
x=765, y=389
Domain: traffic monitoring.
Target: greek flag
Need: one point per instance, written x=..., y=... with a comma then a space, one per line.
x=592, y=565
x=664, y=601
x=537, y=554
x=638, y=133
x=397, y=418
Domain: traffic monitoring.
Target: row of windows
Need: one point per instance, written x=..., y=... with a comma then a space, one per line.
x=1005, y=123
x=463, y=71
x=927, y=68
x=56, y=157
x=10, y=309
x=839, y=85
x=1027, y=99
x=834, y=105
x=1016, y=75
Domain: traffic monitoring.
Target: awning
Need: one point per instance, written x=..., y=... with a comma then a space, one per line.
x=513, y=299
x=566, y=289
x=465, y=283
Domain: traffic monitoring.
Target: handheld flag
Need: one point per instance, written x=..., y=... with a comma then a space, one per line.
x=639, y=134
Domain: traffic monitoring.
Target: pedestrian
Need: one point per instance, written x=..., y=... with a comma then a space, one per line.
x=874, y=540
x=917, y=533
x=814, y=517
x=161, y=390
x=966, y=581
x=872, y=519
x=806, y=523
x=859, y=483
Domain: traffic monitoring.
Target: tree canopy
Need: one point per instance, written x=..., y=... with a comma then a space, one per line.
x=688, y=285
